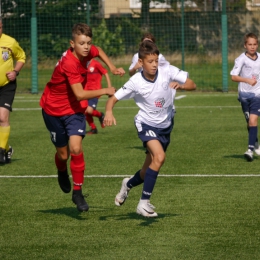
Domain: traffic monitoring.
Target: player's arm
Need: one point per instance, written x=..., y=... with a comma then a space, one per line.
x=108, y=80
x=237, y=78
x=188, y=85
x=11, y=75
x=82, y=94
x=136, y=67
x=109, y=119
x=106, y=60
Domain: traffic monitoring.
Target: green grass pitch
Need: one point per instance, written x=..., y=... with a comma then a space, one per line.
x=207, y=196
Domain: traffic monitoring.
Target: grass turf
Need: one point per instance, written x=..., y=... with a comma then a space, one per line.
x=210, y=217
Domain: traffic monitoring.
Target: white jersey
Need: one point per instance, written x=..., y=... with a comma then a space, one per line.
x=161, y=61
x=155, y=99
x=247, y=68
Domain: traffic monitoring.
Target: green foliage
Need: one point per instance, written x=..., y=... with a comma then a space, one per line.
x=111, y=42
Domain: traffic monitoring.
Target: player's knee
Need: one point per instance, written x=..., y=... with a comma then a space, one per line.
x=159, y=159
x=75, y=150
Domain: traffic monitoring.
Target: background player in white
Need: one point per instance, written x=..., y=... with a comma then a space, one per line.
x=152, y=93
x=136, y=65
x=246, y=72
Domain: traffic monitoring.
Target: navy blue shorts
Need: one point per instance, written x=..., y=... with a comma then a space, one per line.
x=61, y=128
x=250, y=106
x=7, y=93
x=93, y=102
x=147, y=133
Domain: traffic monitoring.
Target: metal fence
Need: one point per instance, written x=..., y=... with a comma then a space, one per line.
x=202, y=37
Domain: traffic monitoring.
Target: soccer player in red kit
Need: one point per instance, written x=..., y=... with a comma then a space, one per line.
x=64, y=102
x=94, y=78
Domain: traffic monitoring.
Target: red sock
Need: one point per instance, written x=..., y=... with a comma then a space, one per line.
x=77, y=167
x=90, y=121
x=61, y=165
x=96, y=113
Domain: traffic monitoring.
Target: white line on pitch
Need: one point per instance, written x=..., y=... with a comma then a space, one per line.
x=220, y=107
x=123, y=176
x=180, y=97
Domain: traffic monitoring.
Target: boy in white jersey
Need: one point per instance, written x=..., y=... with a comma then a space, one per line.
x=154, y=122
x=246, y=72
x=136, y=66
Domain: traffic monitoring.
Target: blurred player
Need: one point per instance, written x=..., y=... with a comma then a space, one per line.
x=95, y=71
x=246, y=72
x=64, y=103
x=153, y=94
x=10, y=52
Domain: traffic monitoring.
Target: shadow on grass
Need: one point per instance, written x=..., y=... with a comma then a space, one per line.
x=70, y=211
x=238, y=156
x=73, y=212
x=134, y=216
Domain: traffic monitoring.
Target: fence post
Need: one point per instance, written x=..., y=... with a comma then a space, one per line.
x=224, y=48
x=34, y=57
x=182, y=36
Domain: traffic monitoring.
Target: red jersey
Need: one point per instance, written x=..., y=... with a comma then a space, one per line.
x=58, y=98
x=95, y=72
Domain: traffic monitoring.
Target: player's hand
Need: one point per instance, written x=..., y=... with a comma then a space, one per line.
x=175, y=85
x=252, y=81
x=11, y=75
x=110, y=91
x=109, y=119
x=118, y=71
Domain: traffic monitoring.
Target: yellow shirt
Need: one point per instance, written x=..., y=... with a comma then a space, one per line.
x=10, y=51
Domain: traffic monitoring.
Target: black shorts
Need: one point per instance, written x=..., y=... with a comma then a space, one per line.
x=61, y=128
x=7, y=93
x=93, y=103
x=147, y=133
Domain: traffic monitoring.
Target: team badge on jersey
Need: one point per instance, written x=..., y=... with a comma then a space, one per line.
x=91, y=69
x=5, y=55
x=159, y=102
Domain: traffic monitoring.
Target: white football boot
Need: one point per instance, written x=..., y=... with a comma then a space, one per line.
x=123, y=193
x=144, y=208
x=257, y=149
x=249, y=155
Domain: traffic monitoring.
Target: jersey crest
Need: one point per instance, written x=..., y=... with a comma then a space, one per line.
x=159, y=102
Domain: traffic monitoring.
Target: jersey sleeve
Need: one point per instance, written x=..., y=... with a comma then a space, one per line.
x=18, y=52
x=237, y=67
x=163, y=61
x=134, y=61
x=126, y=92
x=178, y=75
x=71, y=73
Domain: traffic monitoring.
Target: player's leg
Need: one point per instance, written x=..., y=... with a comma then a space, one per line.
x=59, y=138
x=96, y=113
x=90, y=120
x=254, y=108
x=158, y=156
x=76, y=129
x=7, y=94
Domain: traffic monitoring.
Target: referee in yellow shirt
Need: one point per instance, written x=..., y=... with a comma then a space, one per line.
x=12, y=59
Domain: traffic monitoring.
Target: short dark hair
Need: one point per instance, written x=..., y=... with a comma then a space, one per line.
x=147, y=48
x=148, y=36
x=81, y=29
x=250, y=35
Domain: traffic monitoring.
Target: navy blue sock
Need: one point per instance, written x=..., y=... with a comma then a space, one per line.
x=252, y=137
x=135, y=180
x=149, y=182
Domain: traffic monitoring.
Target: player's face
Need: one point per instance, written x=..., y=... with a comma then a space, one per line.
x=251, y=46
x=81, y=45
x=150, y=65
